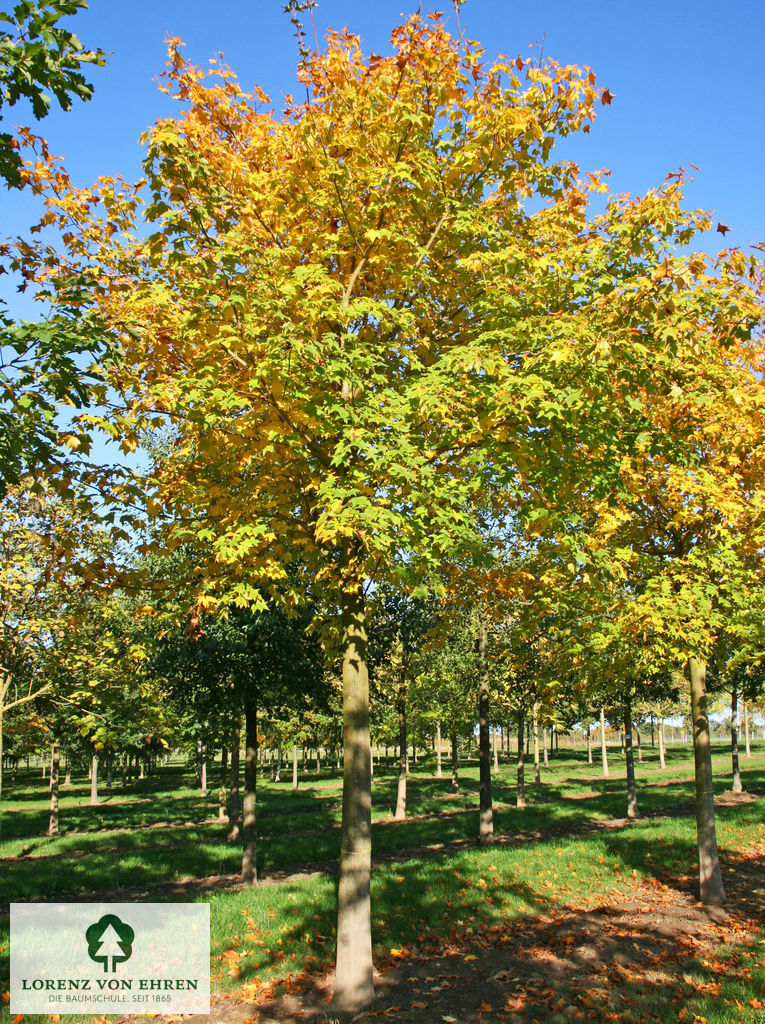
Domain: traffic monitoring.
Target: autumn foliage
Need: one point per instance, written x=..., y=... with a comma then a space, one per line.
x=360, y=313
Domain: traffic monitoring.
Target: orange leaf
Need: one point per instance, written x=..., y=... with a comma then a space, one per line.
x=606, y=98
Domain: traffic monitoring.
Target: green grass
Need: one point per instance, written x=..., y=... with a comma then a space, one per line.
x=267, y=932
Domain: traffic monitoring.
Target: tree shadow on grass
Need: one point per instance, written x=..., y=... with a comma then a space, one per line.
x=642, y=955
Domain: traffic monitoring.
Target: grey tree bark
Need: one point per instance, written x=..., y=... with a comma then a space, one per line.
x=735, y=766
x=249, y=803
x=233, y=785
x=632, y=808
x=486, y=819
x=455, y=764
x=403, y=744
x=94, y=781
x=354, y=988
x=222, y=784
x=603, y=748
x=54, y=770
x=521, y=797
x=711, y=889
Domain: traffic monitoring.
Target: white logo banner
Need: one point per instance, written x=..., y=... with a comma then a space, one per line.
x=110, y=958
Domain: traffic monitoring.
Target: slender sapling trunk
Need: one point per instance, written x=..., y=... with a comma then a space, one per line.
x=233, y=786
x=486, y=819
x=603, y=749
x=632, y=808
x=736, y=784
x=711, y=889
x=94, y=781
x=249, y=829
x=403, y=742
x=54, y=766
x=521, y=797
x=354, y=988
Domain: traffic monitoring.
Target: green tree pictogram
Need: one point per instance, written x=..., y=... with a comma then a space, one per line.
x=110, y=939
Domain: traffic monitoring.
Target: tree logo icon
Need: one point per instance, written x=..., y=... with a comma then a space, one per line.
x=110, y=940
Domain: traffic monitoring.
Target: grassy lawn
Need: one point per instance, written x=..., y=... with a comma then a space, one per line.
x=420, y=901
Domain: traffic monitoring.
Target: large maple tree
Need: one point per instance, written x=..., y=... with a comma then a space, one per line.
x=357, y=313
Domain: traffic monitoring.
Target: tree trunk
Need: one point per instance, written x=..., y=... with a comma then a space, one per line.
x=94, y=781
x=746, y=731
x=222, y=784
x=455, y=764
x=589, y=744
x=736, y=786
x=54, y=766
x=535, y=730
x=486, y=820
x=521, y=797
x=603, y=749
x=496, y=756
x=639, y=746
x=318, y=761
x=711, y=890
x=203, y=779
x=545, y=756
x=354, y=988
x=439, y=770
x=249, y=828
x=278, y=776
x=294, y=767
x=403, y=743
x=662, y=744
x=632, y=808
x=233, y=785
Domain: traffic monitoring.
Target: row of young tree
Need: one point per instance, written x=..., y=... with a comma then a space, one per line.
x=112, y=681
x=398, y=349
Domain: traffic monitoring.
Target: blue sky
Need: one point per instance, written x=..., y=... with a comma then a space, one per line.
x=688, y=80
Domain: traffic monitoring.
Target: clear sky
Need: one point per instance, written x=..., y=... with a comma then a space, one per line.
x=687, y=76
